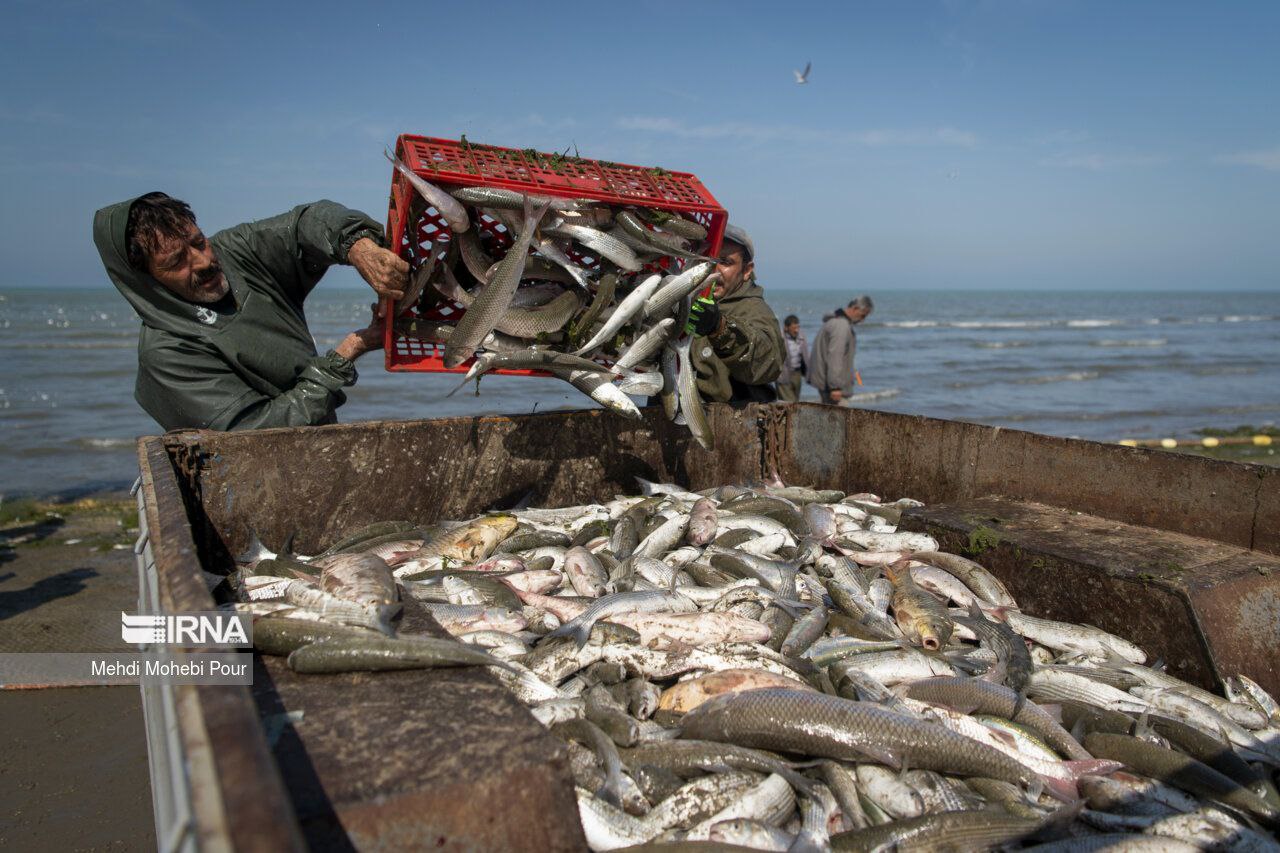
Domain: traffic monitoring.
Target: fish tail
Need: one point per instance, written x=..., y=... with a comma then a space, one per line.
x=255, y=550
x=566, y=628
x=387, y=616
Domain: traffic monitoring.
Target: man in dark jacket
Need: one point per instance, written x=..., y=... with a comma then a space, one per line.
x=831, y=363
x=737, y=351
x=224, y=342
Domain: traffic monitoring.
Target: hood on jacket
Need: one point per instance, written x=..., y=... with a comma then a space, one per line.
x=158, y=307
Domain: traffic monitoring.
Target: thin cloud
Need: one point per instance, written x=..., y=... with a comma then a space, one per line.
x=1104, y=162
x=943, y=136
x=1267, y=158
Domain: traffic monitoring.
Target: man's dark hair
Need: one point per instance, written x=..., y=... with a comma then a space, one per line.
x=153, y=218
x=791, y=318
x=863, y=302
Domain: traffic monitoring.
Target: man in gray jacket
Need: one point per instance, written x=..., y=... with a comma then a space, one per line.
x=831, y=363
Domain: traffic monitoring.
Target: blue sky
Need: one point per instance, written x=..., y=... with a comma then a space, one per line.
x=938, y=145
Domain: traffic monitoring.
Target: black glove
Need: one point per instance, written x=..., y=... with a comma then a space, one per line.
x=704, y=316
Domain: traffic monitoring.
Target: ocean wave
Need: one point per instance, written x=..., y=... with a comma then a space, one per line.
x=1225, y=370
x=1001, y=344
x=105, y=443
x=867, y=396
x=1131, y=342
x=1075, y=376
x=1000, y=324
x=1084, y=323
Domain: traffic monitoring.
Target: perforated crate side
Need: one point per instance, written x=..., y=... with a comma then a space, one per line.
x=413, y=228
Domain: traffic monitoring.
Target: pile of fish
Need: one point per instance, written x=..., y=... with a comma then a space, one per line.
x=780, y=668
x=593, y=294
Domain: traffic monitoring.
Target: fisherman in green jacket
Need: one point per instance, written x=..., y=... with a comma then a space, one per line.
x=738, y=349
x=224, y=342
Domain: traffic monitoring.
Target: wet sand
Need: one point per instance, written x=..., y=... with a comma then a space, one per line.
x=74, y=771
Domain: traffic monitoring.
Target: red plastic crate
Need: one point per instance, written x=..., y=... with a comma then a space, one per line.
x=452, y=164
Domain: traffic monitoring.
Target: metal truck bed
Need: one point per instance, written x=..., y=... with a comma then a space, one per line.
x=448, y=759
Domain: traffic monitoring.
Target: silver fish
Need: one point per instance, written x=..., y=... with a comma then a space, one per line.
x=602, y=244
x=483, y=315
x=690, y=400
x=647, y=343
x=629, y=307
x=677, y=288
x=512, y=200
x=453, y=212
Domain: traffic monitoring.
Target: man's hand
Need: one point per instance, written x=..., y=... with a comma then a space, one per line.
x=704, y=317
x=837, y=395
x=386, y=272
x=363, y=340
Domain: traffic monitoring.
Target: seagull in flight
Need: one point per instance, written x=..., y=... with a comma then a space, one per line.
x=802, y=77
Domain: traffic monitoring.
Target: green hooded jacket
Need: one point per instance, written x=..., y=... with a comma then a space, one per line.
x=740, y=363
x=251, y=364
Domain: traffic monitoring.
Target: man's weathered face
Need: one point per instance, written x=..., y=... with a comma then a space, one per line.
x=856, y=315
x=792, y=329
x=188, y=267
x=734, y=269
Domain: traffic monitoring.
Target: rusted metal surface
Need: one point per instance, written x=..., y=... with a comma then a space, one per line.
x=387, y=761
x=411, y=760
x=316, y=483
x=937, y=460
x=418, y=759
x=238, y=797
x=1266, y=513
x=1237, y=605
x=1206, y=608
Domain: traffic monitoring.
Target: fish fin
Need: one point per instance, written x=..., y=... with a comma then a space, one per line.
x=1142, y=727
x=1078, y=730
x=1005, y=738
x=1061, y=789
x=565, y=629
x=999, y=613
x=1054, y=711
x=975, y=612
x=388, y=614
x=881, y=755
x=1092, y=767
x=462, y=384
x=255, y=550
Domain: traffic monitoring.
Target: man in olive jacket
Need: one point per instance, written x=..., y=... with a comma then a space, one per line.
x=224, y=342
x=831, y=368
x=737, y=351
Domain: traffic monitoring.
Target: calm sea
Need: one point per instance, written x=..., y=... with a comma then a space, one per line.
x=1091, y=364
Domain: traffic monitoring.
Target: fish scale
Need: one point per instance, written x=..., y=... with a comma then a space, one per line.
x=697, y=691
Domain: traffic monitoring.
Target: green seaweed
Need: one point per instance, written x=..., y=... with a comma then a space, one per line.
x=982, y=539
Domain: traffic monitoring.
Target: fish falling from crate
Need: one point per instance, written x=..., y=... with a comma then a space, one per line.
x=591, y=292
x=783, y=668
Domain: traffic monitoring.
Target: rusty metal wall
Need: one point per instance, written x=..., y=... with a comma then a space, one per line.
x=1207, y=609
x=316, y=483
x=938, y=460
x=238, y=798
